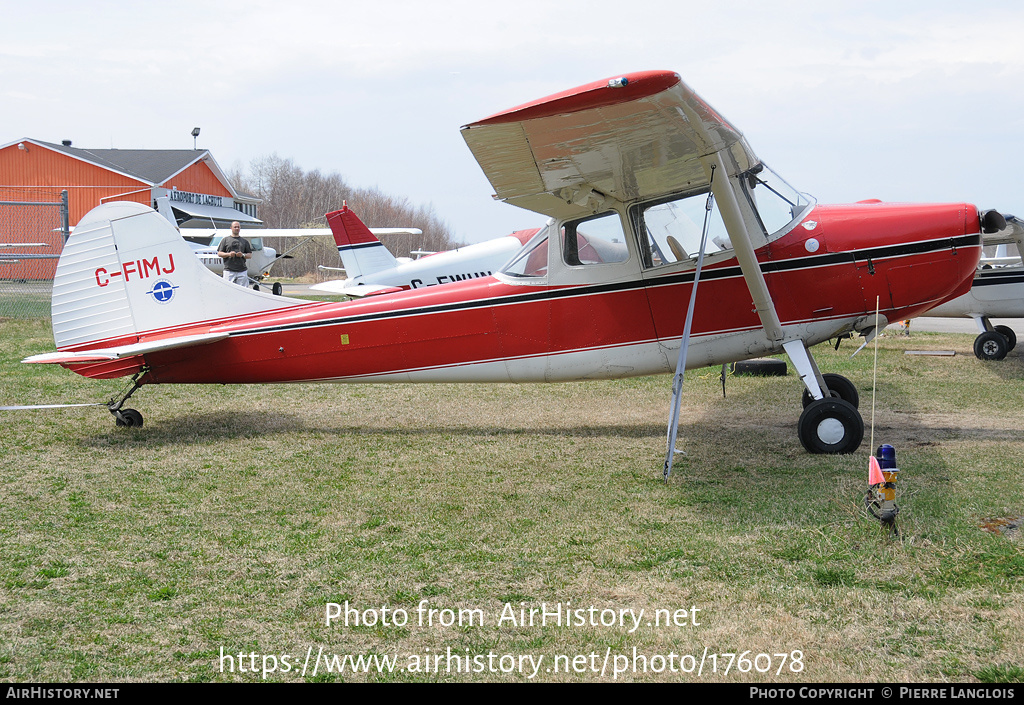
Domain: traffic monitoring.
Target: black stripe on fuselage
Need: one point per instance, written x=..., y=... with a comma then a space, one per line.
x=991, y=277
x=824, y=260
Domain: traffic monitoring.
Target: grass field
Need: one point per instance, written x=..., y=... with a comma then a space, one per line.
x=237, y=514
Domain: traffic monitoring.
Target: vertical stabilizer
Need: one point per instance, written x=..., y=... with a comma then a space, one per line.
x=361, y=252
x=125, y=272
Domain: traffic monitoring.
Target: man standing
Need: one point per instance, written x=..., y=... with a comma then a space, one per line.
x=235, y=251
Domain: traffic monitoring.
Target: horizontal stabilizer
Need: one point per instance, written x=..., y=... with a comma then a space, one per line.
x=371, y=290
x=337, y=286
x=26, y=407
x=121, y=351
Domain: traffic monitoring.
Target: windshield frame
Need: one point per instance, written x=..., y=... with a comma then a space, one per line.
x=782, y=190
x=525, y=252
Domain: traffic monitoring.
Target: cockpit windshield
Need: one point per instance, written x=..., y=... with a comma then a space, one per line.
x=777, y=203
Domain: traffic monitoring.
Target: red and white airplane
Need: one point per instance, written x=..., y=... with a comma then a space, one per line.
x=997, y=292
x=372, y=269
x=622, y=168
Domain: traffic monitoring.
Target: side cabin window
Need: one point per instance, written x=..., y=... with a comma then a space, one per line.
x=596, y=240
x=669, y=230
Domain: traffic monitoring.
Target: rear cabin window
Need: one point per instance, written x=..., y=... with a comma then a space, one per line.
x=597, y=240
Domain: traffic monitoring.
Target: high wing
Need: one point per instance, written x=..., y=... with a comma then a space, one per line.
x=633, y=137
x=629, y=138
x=637, y=136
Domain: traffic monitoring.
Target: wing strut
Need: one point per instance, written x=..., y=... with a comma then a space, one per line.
x=733, y=219
x=684, y=346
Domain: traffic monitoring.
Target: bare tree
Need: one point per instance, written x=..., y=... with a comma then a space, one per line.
x=293, y=198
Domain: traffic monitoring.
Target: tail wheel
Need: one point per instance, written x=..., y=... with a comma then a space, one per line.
x=839, y=387
x=991, y=345
x=830, y=426
x=1011, y=337
x=129, y=417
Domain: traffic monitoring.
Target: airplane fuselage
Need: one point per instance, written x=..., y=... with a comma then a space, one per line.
x=824, y=275
x=995, y=293
x=469, y=262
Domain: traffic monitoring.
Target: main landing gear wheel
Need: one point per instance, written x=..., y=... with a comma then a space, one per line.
x=1011, y=337
x=128, y=417
x=830, y=426
x=277, y=289
x=991, y=345
x=839, y=388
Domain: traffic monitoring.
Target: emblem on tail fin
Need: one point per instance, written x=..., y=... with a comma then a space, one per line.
x=162, y=291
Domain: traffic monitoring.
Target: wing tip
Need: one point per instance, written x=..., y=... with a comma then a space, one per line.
x=621, y=88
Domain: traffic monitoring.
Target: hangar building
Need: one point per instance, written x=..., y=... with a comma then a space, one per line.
x=32, y=170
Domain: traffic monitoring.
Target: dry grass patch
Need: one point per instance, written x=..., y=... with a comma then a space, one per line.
x=237, y=513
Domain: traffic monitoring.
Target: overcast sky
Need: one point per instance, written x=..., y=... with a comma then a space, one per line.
x=903, y=101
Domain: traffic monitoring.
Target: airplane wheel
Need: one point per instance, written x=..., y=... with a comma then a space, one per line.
x=255, y=287
x=277, y=289
x=839, y=386
x=990, y=345
x=1011, y=337
x=132, y=418
x=830, y=426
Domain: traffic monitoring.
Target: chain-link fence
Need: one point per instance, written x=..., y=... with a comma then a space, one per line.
x=33, y=229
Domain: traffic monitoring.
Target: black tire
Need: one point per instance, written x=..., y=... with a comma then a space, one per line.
x=129, y=418
x=990, y=345
x=277, y=289
x=255, y=287
x=1011, y=337
x=761, y=367
x=830, y=426
x=840, y=388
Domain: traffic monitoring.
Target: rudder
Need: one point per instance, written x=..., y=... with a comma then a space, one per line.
x=126, y=271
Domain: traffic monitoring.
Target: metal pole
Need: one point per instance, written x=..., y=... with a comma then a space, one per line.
x=684, y=344
x=65, y=226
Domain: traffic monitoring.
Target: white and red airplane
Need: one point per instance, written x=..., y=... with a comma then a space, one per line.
x=263, y=256
x=371, y=269
x=997, y=292
x=623, y=169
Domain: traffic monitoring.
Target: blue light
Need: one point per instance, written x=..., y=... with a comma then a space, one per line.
x=886, y=455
